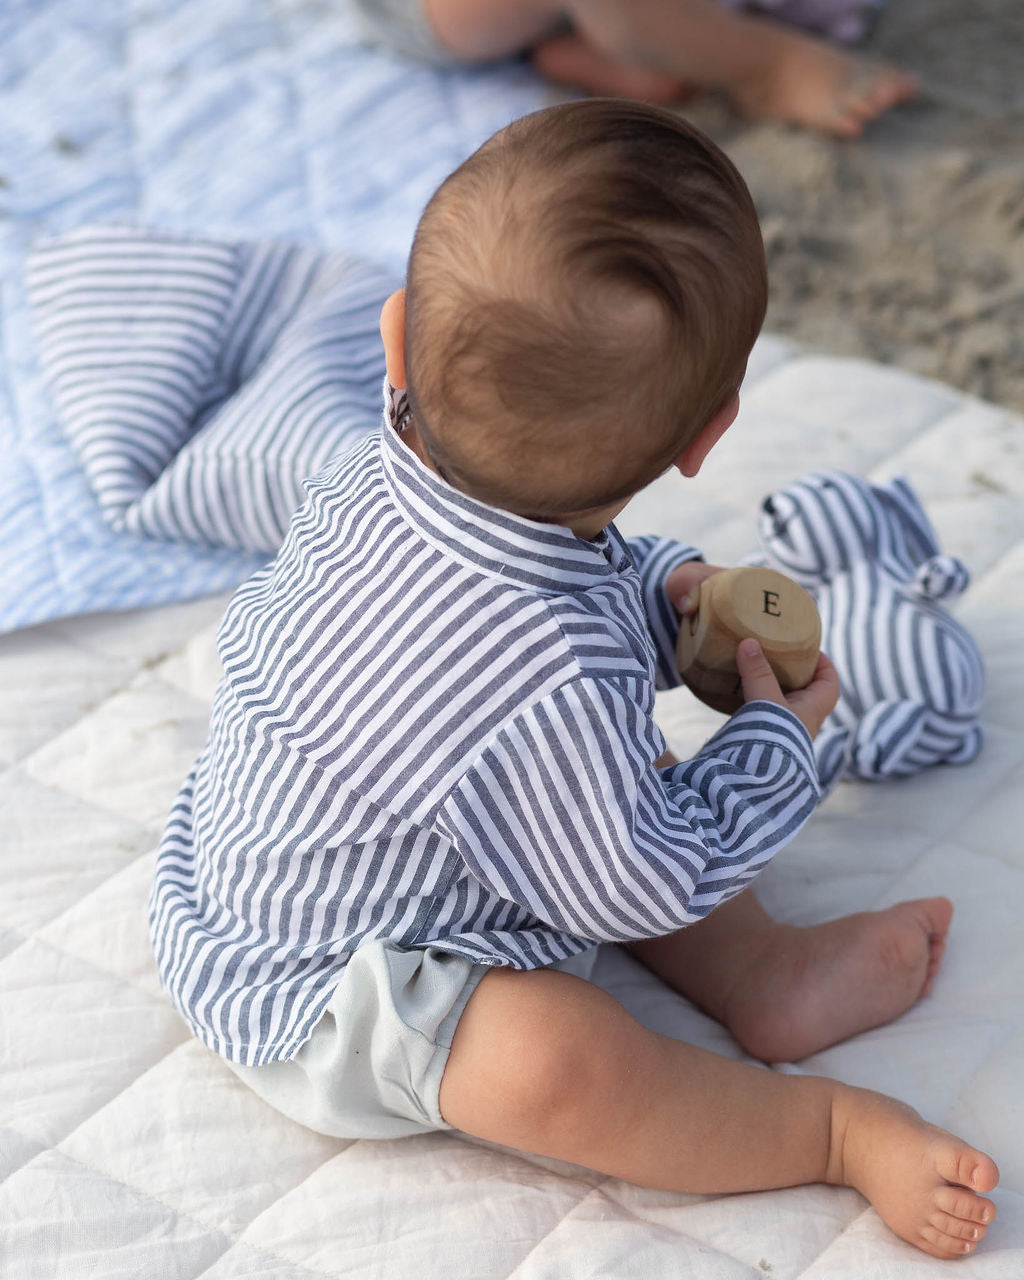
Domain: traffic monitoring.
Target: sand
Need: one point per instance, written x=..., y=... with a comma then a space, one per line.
x=907, y=246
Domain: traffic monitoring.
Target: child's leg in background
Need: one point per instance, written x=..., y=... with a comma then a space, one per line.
x=545, y=1062
x=658, y=48
x=483, y=30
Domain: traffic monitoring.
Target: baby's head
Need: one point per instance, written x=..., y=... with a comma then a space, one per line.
x=582, y=297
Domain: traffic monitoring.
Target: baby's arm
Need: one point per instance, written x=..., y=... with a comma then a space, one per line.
x=565, y=813
x=669, y=571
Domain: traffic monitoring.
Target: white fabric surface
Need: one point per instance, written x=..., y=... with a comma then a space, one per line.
x=128, y=1150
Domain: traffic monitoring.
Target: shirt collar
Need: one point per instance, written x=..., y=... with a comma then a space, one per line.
x=545, y=557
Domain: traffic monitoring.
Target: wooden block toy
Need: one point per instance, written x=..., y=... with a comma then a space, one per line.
x=738, y=603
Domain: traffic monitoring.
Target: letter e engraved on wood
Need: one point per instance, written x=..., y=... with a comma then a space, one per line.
x=737, y=603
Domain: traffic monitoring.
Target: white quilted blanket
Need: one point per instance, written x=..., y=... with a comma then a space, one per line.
x=127, y=1150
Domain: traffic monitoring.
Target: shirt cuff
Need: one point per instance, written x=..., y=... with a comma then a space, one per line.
x=763, y=723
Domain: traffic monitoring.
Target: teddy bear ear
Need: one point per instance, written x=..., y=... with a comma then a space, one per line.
x=908, y=521
x=941, y=578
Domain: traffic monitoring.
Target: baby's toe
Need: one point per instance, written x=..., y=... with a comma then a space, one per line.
x=936, y=915
x=966, y=1167
x=847, y=126
x=957, y=1228
x=936, y=950
x=956, y=1203
x=941, y=1245
x=865, y=94
x=871, y=94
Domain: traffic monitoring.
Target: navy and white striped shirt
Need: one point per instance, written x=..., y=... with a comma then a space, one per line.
x=436, y=726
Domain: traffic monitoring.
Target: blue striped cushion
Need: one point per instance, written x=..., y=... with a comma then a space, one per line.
x=201, y=383
x=911, y=675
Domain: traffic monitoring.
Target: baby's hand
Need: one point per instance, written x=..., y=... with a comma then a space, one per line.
x=683, y=584
x=810, y=705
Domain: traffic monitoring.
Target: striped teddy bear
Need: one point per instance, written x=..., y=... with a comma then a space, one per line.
x=911, y=675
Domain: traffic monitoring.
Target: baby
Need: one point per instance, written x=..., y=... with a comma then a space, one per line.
x=663, y=50
x=433, y=782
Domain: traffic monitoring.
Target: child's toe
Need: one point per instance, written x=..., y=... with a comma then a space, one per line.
x=848, y=126
x=966, y=1167
x=941, y=1245
x=956, y=1203
x=935, y=916
x=957, y=1228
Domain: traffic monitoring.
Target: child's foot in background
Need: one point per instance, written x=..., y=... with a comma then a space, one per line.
x=823, y=88
x=768, y=72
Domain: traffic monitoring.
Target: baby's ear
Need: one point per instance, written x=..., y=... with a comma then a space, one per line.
x=692, y=458
x=392, y=331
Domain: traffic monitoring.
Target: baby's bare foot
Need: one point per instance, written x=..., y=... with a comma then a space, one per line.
x=923, y=1181
x=824, y=88
x=809, y=988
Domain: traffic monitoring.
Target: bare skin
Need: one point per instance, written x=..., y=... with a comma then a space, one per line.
x=664, y=1114
x=667, y=1115
x=786, y=992
x=664, y=50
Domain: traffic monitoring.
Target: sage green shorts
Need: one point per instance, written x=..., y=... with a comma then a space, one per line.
x=372, y=1067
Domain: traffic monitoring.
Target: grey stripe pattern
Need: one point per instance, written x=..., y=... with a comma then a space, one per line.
x=436, y=726
x=912, y=677
x=201, y=382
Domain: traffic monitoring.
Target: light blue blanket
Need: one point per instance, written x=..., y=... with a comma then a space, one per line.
x=240, y=121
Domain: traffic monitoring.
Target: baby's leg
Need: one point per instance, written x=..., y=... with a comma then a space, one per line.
x=786, y=992
x=548, y=1063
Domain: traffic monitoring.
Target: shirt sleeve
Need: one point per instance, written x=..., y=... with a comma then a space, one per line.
x=655, y=558
x=565, y=814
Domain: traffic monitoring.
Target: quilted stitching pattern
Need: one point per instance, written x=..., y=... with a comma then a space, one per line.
x=126, y=1150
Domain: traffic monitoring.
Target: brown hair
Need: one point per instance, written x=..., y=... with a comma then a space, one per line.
x=583, y=294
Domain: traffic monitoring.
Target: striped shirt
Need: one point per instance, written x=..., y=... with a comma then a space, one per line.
x=435, y=726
